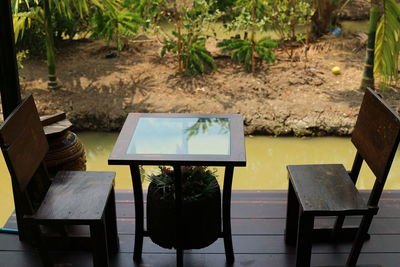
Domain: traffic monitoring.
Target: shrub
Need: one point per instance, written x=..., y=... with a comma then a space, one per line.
x=187, y=41
x=243, y=50
x=251, y=19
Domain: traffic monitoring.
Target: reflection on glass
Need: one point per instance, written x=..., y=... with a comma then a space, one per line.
x=181, y=136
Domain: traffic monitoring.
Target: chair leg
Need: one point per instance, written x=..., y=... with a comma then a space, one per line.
x=292, y=216
x=99, y=243
x=43, y=252
x=111, y=224
x=359, y=241
x=179, y=257
x=338, y=226
x=304, y=240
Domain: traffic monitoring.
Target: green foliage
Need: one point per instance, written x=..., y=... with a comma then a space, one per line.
x=115, y=21
x=65, y=27
x=387, y=43
x=202, y=125
x=149, y=10
x=225, y=5
x=21, y=55
x=31, y=40
x=197, y=182
x=253, y=18
x=242, y=50
x=286, y=15
x=195, y=57
x=192, y=19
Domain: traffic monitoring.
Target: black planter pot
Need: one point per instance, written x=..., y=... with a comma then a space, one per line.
x=201, y=220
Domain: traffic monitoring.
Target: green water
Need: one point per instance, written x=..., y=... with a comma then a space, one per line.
x=267, y=158
x=220, y=31
x=266, y=161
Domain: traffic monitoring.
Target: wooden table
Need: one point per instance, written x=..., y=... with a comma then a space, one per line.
x=180, y=140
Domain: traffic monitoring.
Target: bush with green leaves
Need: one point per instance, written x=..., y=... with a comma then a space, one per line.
x=197, y=182
x=192, y=20
x=196, y=59
x=70, y=27
x=252, y=18
x=115, y=21
x=243, y=50
x=287, y=15
x=149, y=10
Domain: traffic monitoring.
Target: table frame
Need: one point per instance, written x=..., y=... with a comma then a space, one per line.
x=237, y=157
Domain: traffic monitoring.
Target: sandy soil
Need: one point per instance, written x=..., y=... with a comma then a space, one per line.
x=290, y=97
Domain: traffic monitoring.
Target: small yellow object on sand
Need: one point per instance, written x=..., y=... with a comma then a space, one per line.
x=336, y=70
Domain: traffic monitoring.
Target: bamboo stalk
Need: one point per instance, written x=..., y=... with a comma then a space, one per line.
x=253, y=30
x=368, y=74
x=50, y=53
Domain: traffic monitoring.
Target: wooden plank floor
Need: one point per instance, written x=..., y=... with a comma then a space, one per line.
x=258, y=222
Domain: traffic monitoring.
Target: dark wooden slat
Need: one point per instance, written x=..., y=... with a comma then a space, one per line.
x=257, y=242
x=18, y=259
x=388, y=209
x=376, y=134
x=256, y=226
x=271, y=244
x=76, y=196
x=16, y=136
x=126, y=195
x=325, y=189
x=268, y=244
x=253, y=206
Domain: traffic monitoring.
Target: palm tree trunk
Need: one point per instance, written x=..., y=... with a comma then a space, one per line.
x=368, y=75
x=51, y=65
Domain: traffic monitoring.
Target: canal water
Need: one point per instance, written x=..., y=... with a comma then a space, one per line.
x=221, y=32
x=267, y=158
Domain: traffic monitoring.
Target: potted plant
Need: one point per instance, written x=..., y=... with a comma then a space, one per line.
x=201, y=218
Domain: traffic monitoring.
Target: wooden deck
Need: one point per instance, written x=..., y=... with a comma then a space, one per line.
x=258, y=222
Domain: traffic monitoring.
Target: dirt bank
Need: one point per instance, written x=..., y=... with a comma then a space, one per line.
x=290, y=97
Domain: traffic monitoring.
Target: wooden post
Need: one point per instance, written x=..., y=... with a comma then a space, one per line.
x=9, y=79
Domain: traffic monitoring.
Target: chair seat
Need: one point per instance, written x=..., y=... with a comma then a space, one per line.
x=326, y=189
x=76, y=197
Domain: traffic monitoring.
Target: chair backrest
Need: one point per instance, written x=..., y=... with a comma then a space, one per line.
x=24, y=146
x=376, y=134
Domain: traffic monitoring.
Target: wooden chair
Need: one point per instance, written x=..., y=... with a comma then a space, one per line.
x=329, y=190
x=72, y=198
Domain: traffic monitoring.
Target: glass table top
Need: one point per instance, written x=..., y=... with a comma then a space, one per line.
x=182, y=136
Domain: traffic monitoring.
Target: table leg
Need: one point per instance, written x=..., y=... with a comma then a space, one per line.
x=139, y=212
x=179, y=211
x=226, y=215
x=292, y=216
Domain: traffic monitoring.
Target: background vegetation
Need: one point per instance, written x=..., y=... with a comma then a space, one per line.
x=41, y=24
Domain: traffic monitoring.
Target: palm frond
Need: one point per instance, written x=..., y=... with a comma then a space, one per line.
x=387, y=44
